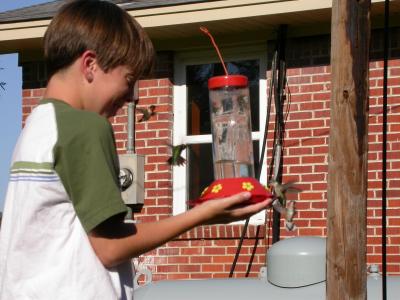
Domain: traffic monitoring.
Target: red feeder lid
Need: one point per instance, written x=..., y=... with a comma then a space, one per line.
x=227, y=80
x=229, y=186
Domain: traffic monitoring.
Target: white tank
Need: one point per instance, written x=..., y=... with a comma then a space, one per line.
x=297, y=262
x=296, y=270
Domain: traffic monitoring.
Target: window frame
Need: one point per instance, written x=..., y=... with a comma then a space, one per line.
x=180, y=103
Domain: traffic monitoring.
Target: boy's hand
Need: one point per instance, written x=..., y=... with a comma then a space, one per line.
x=233, y=208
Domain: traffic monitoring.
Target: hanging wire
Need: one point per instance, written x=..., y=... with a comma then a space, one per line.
x=384, y=142
x=246, y=224
x=253, y=253
x=273, y=77
x=279, y=131
x=208, y=33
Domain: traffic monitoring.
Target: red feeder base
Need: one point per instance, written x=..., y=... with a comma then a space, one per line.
x=226, y=187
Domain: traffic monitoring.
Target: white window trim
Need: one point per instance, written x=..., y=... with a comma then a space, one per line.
x=180, y=110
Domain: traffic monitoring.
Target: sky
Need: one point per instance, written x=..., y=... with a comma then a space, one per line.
x=10, y=101
x=13, y=4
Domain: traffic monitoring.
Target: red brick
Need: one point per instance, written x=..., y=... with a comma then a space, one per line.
x=313, y=70
x=312, y=124
x=321, y=96
x=318, y=223
x=298, y=133
x=300, y=115
x=26, y=93
x=298, y=80
x=159, y=91
x=315, y=141
x=191, y=251
x=320, y=204
x=299, y=98
x=300, y=151
x=157, y=125
x=167, y=268
x=310, y=195
x=214, y=251
x=200, y=259
x=164, y=82
x=300, y=169
x=189, y=268
x=311, y=231
x=321, y=149
x=310, y=214
x=212, y=268
x=312, y=105
x=313, y=177
x=147, y=83
x=292, y=125
x=201, y=243
x=313, y=159
x=293, y=72
x=38, y=92
x=322, y=114
x=321, y=78
x=158, y=210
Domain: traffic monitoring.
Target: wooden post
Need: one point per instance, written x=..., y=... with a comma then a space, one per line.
x=348, y=148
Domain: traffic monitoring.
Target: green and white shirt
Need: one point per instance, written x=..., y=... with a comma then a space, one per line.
x=63, y=183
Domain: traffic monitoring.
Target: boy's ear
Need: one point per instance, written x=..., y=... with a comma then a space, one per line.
x=88, y=64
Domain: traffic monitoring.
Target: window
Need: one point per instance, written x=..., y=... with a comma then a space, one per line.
x=192, y=115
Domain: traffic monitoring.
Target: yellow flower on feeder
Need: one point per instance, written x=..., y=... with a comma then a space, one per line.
x=247, y=186
x=216, y=188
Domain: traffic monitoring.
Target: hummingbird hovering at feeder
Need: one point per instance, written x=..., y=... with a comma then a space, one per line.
x=176, y=159
x=280, y=189
x=146, y=112
x=287, y=210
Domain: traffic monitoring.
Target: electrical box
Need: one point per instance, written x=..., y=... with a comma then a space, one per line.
x=131, y=178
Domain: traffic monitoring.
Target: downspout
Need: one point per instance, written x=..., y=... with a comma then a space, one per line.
x=131, y=147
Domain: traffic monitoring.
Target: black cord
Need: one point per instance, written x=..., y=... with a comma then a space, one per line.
x=253, y=253
x=246, y=223
x=239, y=247
x=278, y=132
x=384, y=140
x=280, y=122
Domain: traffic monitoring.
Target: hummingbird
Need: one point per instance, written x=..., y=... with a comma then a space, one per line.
x=176, y=159
x=280, y=189
x=287, y=210
x=147, y=112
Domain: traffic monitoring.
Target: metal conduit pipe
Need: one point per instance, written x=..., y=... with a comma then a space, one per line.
x=131, y=147
x=131, y=123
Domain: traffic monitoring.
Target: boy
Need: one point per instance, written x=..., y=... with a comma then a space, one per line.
x=63, y=234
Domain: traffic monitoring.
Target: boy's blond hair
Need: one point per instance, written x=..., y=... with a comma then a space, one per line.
x=100, y=26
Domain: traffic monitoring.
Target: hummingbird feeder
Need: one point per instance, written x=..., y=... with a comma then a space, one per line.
x=232, y=146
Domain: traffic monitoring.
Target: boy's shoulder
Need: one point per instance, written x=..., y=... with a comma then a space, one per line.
x=75, y=116
x=75, y=122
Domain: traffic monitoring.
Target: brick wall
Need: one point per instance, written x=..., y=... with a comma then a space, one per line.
x=307, y=138
x=208, y=251
x=306, y=155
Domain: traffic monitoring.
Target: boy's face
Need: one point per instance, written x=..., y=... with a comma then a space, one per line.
x=112, y=90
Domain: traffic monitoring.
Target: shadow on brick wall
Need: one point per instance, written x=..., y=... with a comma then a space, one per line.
x=34, y=73
x=315, y=50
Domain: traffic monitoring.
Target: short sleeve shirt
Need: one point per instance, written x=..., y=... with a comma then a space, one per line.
x=63, y=183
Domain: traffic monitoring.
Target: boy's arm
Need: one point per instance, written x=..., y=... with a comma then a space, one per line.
x=115, y=241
